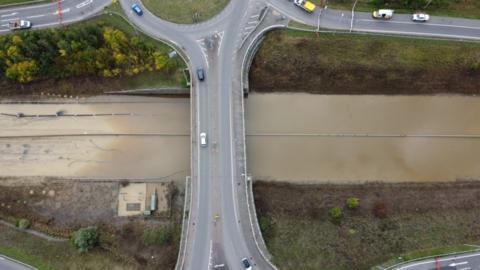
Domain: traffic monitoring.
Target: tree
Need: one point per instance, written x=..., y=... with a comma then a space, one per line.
x=85, y=239
x=23, y=223
x=353, y=203
x=24, y=71
x=336, y=212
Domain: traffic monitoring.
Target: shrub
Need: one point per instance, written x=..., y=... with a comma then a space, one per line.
x=353, y=203
x=23, y=223
x=266, y=225
x=156, y=236
x=85, y=239
x=380, y=210
x=336, y=212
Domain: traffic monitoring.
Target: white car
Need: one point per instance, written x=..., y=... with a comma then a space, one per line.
x=246, y=264
x=420, y=17
x=203, y=139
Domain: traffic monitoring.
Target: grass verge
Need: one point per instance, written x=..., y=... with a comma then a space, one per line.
x=46, y=255
x=297, y=61
x=185, y=12
x=12, y=2
x=418, y=220
x=451, y=8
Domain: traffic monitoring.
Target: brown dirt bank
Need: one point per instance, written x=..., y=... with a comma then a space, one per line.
x=291, y=61
x=301, y=235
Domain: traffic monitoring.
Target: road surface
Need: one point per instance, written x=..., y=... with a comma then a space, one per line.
x=46, y=15
x=467, y=261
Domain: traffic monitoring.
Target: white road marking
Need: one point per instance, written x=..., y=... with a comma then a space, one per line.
x=35, y=16
x=11, y=19
x=63, y=11
x=4, y=25
x=2, y=258
x=466, y=268
x=210, y=256
x=431, y=24
x=441, y=260
x=459, y=263
x=84, y=3
x=8, y=15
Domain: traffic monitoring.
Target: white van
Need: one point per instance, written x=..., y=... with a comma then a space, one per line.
x=385, y=14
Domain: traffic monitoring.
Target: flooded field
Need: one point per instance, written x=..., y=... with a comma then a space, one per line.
x=314, y=138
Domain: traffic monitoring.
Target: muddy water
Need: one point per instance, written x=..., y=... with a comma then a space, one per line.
x=329, y=138
x=159, y=146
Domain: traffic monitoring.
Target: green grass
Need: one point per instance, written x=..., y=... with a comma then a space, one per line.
x=184, y=11
x=342, y=63
x=299, y=25
x=11, y=2
x=47, y=255
x=421, y=220
x=465, y=9
x=361, y=242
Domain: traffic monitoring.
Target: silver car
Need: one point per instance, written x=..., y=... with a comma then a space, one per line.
x=203, y=139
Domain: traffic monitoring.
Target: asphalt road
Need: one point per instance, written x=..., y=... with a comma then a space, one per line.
x=213, y=45
x=467, y=261
x=46, y=15
x=9, y=264
x=400, y=24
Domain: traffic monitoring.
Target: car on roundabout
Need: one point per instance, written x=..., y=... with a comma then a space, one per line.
x=137, y=9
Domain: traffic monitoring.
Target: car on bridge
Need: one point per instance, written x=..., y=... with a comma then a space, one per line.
x=137, y=9
x=203, y=139
x=200, y=74
x=246, y=264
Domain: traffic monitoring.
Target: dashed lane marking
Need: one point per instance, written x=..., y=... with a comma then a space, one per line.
x=84, y=3
x=8, y=15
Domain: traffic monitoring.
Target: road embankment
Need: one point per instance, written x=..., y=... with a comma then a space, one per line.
x=391, y=220
x=293, y=61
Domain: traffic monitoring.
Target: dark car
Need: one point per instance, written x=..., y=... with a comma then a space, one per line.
x=137, y=9
x=246, y=264
x=200, y=74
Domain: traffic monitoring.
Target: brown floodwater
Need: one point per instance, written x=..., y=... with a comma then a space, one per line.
x=314, y=138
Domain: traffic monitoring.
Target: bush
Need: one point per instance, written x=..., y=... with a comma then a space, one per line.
x=336, y=212
x=156, y=236
x=380, y=210
x=353, y=203
x=266, y=225
x=85, y=239
x=23, y=223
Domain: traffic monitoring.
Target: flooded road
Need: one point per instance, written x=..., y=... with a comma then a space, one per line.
x=312, y=138
x=290, y=137
x=114, y=137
